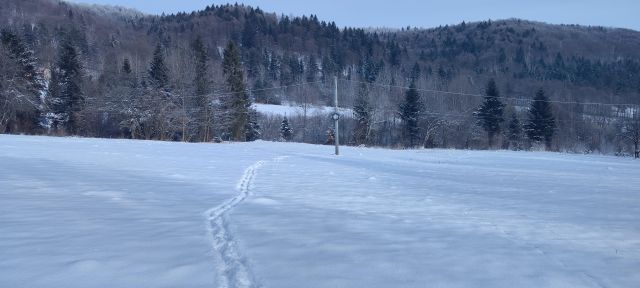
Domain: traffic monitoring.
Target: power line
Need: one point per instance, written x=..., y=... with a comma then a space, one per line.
x=465, y=115
x=272, y=88
x=215, y=94
x=483, y=96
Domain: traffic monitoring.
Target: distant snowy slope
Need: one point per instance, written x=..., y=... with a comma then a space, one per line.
x=119, y=213
x=299, y=110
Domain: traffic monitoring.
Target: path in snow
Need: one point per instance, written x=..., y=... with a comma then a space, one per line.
x=232, y=268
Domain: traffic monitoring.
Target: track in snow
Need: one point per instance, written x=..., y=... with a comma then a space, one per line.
x=232, y=268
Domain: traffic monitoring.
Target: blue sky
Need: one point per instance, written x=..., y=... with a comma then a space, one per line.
x=416, y=13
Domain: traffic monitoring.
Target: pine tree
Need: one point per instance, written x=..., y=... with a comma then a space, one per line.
x=312, y=69
x=370, y=70
x=202, y=109
x=410, y=112
x=130, y=106
x=490, y=113
x=126, y=66
x=520, y=58
x=162, y=107
x=329, y=67
x=415, y=72
x=286, y=132
x=514, y=132
x=25, y=59
x=70, y=103
x=252, y=128
x=238, y=104
x=250, y=31
x=541, y=125
x=362, y=111
x=158, y=72
x=20, y=84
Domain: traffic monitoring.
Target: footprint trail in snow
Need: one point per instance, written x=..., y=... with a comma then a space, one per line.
x=232, y=269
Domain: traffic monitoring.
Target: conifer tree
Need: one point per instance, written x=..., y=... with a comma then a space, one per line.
x=415, y=72
x=163, y=119
x=252, y=128
x=410, y=112
x=158, y=72
x=24, y=57
x=541, y=125
x=370, y=70
x=202, y=109
x=237, y=104
x=70, y=103
x=490, y=113
x=131, y=101
x=286, y=132
x=250, y=31
x=362, y=111
x=312, y=69
x=126, y=66
x=20, y=83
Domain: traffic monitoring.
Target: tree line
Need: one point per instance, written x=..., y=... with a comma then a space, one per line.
x=148, y=107
x=76, y=71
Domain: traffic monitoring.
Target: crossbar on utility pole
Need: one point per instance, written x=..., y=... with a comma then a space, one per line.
x=337, y=118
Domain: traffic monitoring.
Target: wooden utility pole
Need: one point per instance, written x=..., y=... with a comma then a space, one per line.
x=336, y=115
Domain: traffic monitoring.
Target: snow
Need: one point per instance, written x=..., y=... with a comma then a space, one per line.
x=298, y=110
x=119, y=213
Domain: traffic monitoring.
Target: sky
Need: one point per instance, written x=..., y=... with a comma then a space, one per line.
x=425, y=13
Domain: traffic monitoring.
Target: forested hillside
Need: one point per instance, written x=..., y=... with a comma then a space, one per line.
x=112, y=72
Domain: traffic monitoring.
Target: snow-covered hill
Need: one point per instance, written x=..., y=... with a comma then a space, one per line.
x=299, y=110
x=118, y=213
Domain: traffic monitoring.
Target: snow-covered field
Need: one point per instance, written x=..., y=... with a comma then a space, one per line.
x=118, y=213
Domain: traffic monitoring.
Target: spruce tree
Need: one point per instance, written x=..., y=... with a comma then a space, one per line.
x=252, y=128
x=362, y=111
x=237, y=104
x=312, y=69
x=164, y=121
x=286, y=133
x=158, y=71
x=490, y=113
x=410, y=114
x=514, y=132
x=126, y=66
x=71, y=97
x=129, y=93
x=201, y=111
x=370, y=70
x=20, y=94
x=541, y=125
x=27, y=62
x=250, y=31
x=415, y=72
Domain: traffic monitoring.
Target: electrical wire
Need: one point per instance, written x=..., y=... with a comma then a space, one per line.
x=483, y=96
